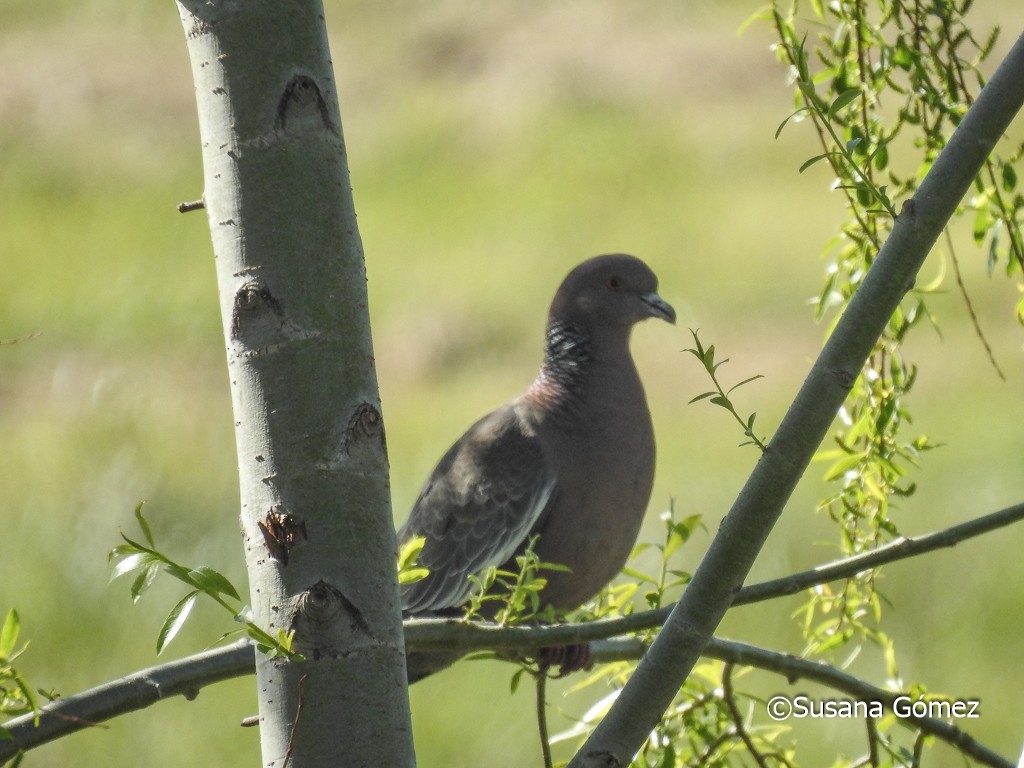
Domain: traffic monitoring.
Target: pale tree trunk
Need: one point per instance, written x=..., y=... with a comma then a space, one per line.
x=316, y=518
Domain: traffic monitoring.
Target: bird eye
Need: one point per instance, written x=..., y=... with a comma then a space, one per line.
x=612, y=283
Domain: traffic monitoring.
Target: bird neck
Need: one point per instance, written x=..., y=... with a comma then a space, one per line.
x=568, y=361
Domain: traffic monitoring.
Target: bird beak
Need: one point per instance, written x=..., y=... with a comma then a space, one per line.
x=658, y=307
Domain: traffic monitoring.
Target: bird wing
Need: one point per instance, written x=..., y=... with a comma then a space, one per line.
x=477, y=508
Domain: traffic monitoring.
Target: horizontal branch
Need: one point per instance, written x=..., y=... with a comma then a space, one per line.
x=186, y=676
x=794, y=668
x=138, y=690
x=898, y=549
x=452, y=634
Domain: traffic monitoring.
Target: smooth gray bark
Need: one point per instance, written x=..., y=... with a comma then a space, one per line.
x=746, y=527
x=316, y=517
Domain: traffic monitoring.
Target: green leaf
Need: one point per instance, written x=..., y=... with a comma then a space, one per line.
x=410, y=551
x=778, y=131
x=880, y=157
x=844, y=465
x=516, y=678
x=668, y=757
x=122, y=550
x=675, y=541
x=175, y=620
x=842, y=100
x=144, y=525
x=131, y=563
x=1009, y=178
x=702, y=396
x=638, y=576
x=808, y=163
x=412, y=575
x=209, y=580
x=9, y=634
x=144, y=581
x=745, y=381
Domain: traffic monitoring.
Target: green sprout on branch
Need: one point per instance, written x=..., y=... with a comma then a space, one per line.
x=517, y=593
x=719, y=396
x=16, y=695
x=146, y=561
x=409, y=570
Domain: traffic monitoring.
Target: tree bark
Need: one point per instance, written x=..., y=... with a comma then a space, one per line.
x=315, y=504
x=746, y=527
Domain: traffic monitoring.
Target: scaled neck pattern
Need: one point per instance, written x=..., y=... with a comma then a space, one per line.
x=559, y=385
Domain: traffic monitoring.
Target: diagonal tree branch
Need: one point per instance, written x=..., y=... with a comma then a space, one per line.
x=745, y=528
x=186, y=676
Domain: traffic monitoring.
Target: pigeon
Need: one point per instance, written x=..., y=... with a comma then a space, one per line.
x=570, y=461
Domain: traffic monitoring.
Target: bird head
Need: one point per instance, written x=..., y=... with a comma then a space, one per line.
x=612, y=292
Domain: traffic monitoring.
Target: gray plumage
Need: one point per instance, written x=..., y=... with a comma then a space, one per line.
x=571, y=459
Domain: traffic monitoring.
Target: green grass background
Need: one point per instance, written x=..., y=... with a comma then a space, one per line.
x=492, y=147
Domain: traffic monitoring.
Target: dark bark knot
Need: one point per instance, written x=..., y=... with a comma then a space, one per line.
x=327, y=623
x=365, y=422
x=360, y=443
x=281, y=532
x=844, y=379
x=302, y=103
x=255, y=312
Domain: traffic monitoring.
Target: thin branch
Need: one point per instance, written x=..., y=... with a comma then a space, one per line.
x=541, y=682
x=794, y=668
x=451, y=634
x=184, y=677
x=898, y=549
x=872, y=728
x=729, y=697
x=970, y=306
x=188, y=675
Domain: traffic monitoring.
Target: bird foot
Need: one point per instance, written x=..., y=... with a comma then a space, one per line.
x=568, y=658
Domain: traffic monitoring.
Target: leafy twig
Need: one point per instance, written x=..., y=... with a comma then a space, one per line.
x=146, y=561
x=719, y=396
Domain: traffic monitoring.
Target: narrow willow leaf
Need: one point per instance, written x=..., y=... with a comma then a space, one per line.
x=175, y=620
x=412, y=575
x=144, y=580
x=1009, y=178
x=144, y=525
x=9, y=634
x=844, y=465
x=808, y=163
x=745, y=381
x=131, y=563
x=209, y=580
x=702, y=396
x=797, y=113
x=842, y=100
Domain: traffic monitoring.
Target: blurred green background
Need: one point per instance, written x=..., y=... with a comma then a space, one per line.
x=492, y=147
